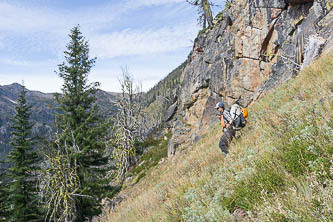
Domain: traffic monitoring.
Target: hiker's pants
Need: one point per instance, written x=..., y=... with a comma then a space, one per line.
x=226, y=139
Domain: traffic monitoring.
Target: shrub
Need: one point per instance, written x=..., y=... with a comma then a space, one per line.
x=250, y=192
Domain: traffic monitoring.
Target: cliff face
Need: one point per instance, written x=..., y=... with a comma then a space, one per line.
x=255, y=46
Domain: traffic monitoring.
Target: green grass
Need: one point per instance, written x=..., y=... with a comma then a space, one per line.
x=158, y=150
x=248, y=193
x=301, y=151
x=280, y=169
x=202, y=31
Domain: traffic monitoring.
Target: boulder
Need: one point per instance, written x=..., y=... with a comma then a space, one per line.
x=172, y=147
x=170, y=112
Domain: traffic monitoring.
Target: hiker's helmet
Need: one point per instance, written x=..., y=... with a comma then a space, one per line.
x=220, y=104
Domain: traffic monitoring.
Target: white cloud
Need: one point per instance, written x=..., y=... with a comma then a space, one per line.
x=14, y=62
x=34, y=29
x=29, y=63
x=41, y=82
x=22, y=18
x=19, y=18
x=2, y=44
x=34, y=38
x=41, y=29
x=109, y=78
x=142, y=42
x=143, y=3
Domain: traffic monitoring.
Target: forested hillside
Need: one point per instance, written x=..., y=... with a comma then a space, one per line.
x=43, y=112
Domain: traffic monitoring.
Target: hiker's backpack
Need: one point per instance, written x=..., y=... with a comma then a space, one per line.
x=238, y=116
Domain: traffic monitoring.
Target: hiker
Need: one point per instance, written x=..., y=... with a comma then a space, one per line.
x=227, y=124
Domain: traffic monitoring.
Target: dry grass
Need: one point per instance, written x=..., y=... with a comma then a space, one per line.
x=196, y=185
x=158, y=190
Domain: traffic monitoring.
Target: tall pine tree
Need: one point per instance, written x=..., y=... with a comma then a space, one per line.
x=80, y=124
x=22, y=184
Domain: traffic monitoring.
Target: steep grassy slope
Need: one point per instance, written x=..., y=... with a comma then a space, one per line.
x=280, y=169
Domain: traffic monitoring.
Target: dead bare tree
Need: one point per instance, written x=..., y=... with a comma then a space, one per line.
x=128, y=125
x=205, y=12
x=59, y=183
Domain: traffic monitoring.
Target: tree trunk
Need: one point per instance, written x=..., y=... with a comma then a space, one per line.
x=207, y=12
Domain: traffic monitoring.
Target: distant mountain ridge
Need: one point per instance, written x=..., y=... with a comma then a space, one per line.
x=42, y=113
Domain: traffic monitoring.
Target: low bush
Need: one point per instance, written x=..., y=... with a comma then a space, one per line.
x=157, y=150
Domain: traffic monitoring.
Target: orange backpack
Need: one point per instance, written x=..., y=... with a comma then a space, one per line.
x=245, y=112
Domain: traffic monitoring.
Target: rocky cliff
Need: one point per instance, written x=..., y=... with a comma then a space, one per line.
x=254, y=46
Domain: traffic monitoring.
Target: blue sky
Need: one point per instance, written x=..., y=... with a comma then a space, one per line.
x=150, y=37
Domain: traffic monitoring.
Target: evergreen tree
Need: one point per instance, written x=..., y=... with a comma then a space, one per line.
x=3, y=196
x=80, y=124
x=22, y=188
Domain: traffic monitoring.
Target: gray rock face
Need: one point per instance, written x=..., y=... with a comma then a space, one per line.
x=272, y=3
x=296, y=2
x=313, y=49
x=170, y=112
x=255, y=47
x=326, y=31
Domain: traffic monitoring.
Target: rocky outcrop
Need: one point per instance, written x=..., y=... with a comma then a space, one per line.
x=257, y=45
x=327, y=30
x=296, y=2
x=170, y=112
